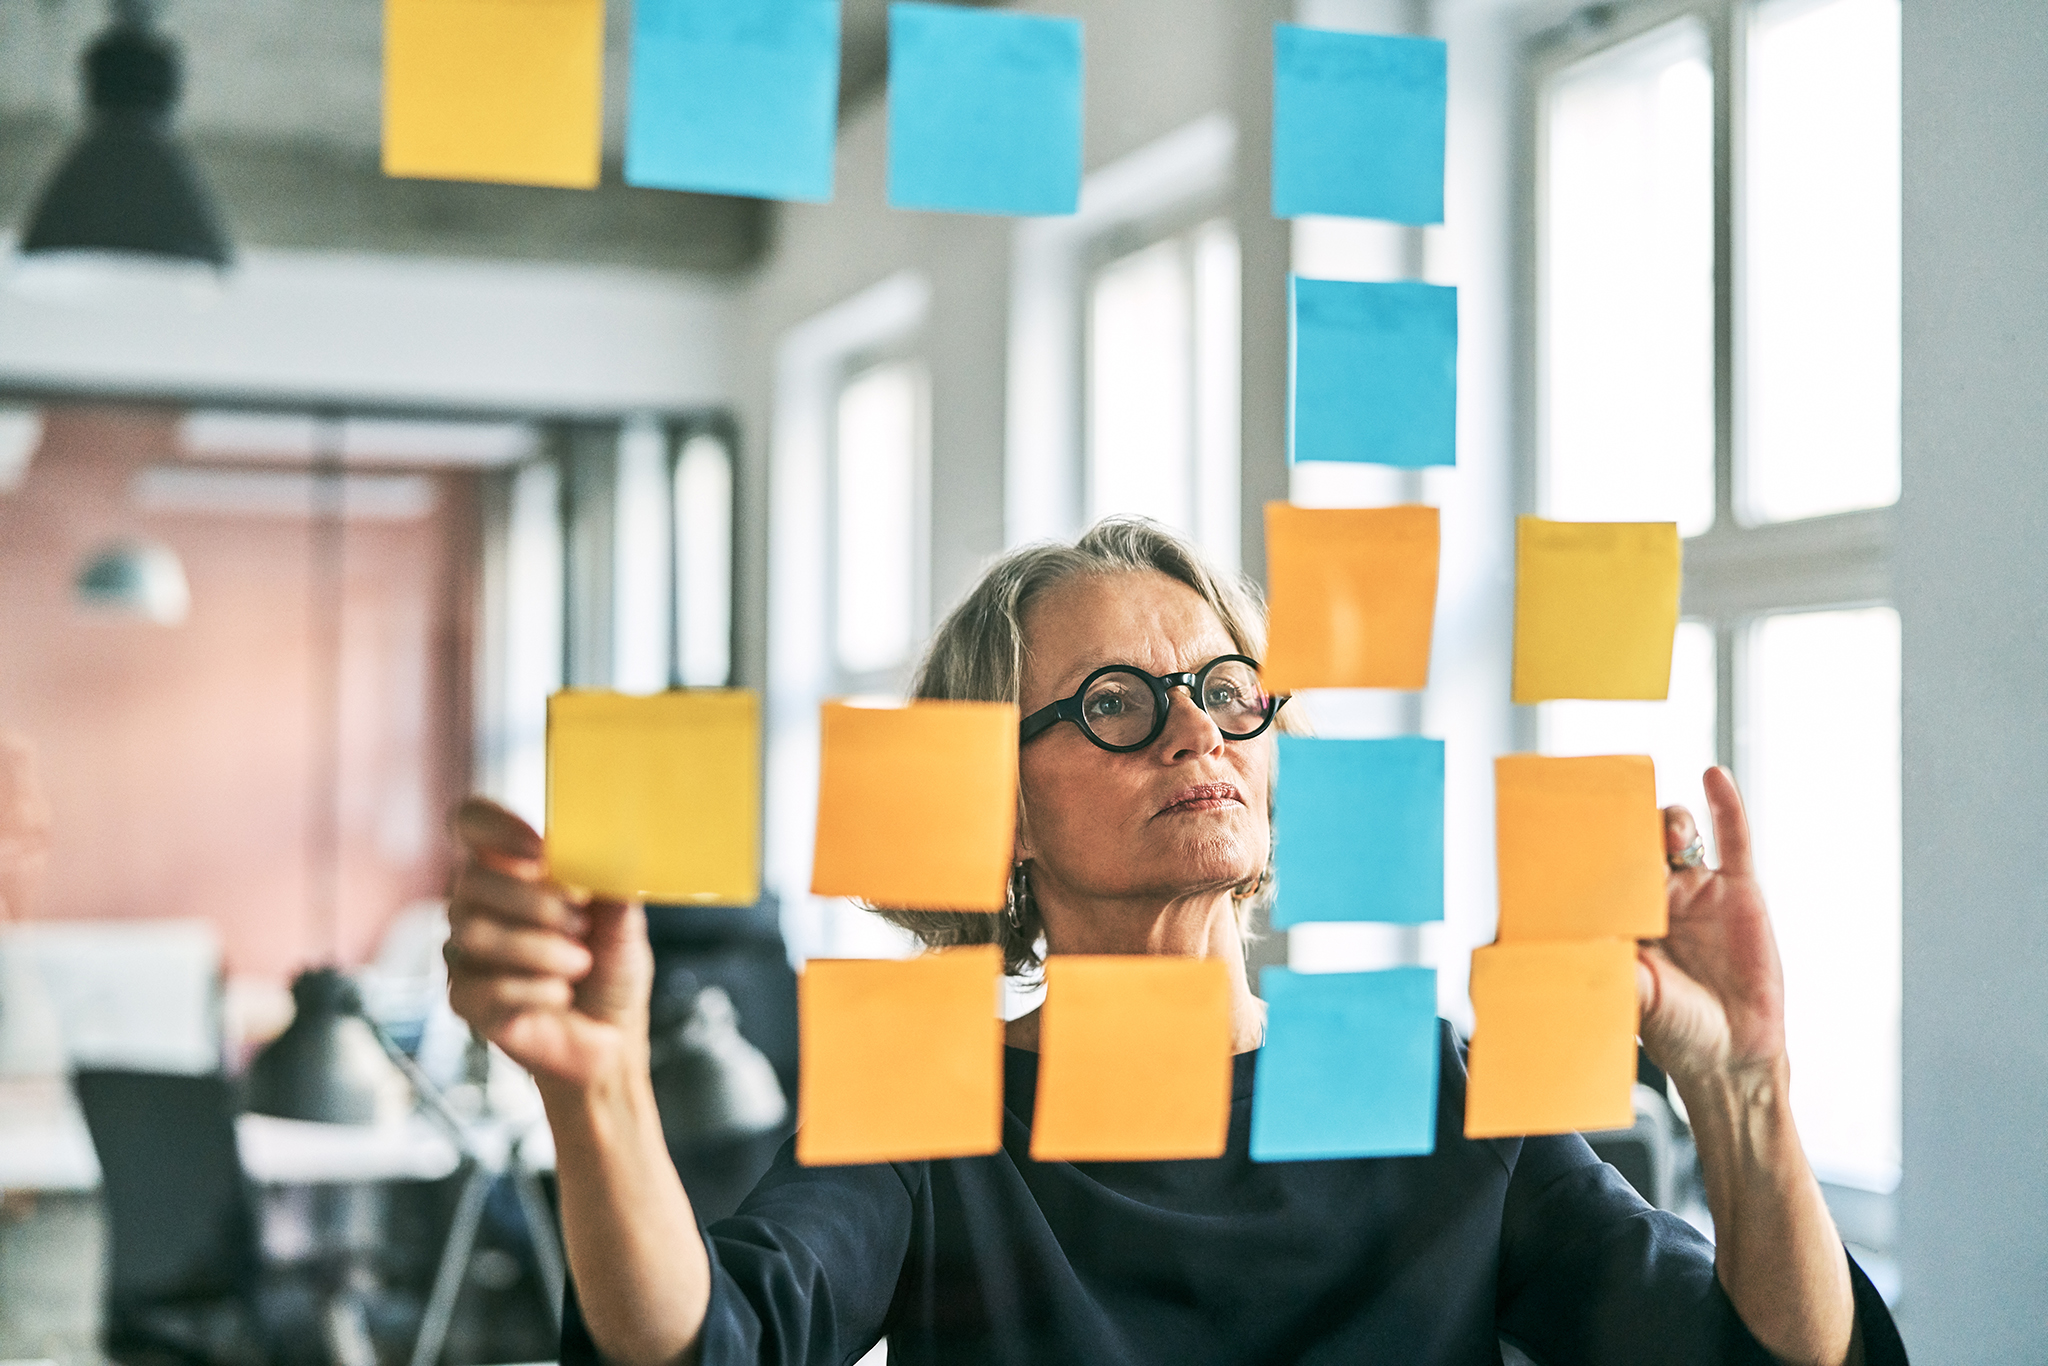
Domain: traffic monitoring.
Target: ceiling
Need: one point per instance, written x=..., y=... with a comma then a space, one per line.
x=285, y=94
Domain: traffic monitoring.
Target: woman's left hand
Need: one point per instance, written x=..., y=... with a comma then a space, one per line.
x=1713, y=993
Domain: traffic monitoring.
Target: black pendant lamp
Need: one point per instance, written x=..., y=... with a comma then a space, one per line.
x=127, y=187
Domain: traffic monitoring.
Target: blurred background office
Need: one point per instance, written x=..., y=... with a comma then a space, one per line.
x=308, y=501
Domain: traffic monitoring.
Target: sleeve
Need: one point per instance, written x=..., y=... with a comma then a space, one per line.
x=1592, y=1274
x=803, y=1274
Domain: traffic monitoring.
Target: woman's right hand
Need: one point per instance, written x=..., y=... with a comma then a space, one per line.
x=559, y=981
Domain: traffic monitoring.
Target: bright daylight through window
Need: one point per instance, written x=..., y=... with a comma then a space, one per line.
x=1162, y=351
x=877, y=480
x=1652, y=406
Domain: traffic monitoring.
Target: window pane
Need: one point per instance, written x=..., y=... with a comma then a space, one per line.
x=1678, y=734
x=704, y=563
x=1140, y=390
x=1820, y=245
x=1628, y=285
x=533, y=637
x=880, y=445
x=640, y=570
x=1821, y=768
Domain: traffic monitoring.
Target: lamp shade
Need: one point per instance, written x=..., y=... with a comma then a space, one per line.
x=126, y=187
x=327, y=1066
x=138, y=579
x=710, y=1084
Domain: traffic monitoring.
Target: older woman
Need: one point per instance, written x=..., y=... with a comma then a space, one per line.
x=1145, y=830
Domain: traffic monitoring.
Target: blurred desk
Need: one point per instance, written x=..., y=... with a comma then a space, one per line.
x=44, y=1145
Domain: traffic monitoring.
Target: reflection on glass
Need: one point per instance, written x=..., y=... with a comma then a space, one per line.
x=1820, y=259
x=1678, y=734
x=1628, y=285
x=1820, y=758
x=1162, y=422
x=879, y=450
x=703, y=596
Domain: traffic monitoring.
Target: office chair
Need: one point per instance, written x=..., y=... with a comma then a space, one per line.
x=184, y=1265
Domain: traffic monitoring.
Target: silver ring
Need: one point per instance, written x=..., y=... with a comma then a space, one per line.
x=1690, y=857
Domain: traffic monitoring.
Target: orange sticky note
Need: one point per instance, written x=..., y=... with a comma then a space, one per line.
x=509, y=91
x=917, y=805
x=1353, y=594
x=1596, y=607
x=656, y=798
x=1580, y=846
x=1134, y=1060
x=903, y=1061
x=1553, y=1040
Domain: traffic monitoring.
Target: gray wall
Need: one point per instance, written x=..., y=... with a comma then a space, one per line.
x=1972, y=576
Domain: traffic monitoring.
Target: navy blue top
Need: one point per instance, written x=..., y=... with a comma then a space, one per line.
x=1424, y=1261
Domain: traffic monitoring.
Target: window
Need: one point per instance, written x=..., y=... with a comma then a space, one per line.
x=1717, y=344
x=1628, y=285
x=1820, y=259
x=878, y=478
x=1162, y=386
x=703, y=562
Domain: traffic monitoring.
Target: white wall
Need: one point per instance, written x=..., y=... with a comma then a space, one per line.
x=368, y=329
x=1972, y=586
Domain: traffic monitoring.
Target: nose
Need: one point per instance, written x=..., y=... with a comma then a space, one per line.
x=1189, y=731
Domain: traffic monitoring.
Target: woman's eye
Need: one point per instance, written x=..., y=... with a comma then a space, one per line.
x=1224, y=695
x=1105, y=704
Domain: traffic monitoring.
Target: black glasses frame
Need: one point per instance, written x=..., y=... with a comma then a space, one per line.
x=1069, y=708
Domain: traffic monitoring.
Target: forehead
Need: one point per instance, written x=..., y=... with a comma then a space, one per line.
x=1140, y=617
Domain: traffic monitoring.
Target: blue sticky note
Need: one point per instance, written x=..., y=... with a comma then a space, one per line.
x=1358, y=125
x=1372, y=372
x=984, y=110
x=1349, y=1067
x=1358, y=830
x=735, y=97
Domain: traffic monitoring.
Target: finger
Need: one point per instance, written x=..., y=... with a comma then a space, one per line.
x=1731, y=822
x=491, y=1002
x=484, y=944
x=511, y=897
x=496, y=836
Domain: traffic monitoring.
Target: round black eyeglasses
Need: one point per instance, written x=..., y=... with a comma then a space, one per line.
x=1121, y=708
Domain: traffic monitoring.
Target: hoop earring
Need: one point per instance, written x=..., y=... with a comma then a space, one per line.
x=1016, y=895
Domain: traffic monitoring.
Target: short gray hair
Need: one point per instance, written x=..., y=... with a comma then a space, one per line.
x=977, y=654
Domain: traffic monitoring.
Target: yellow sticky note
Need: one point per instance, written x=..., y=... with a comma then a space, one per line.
x=1596, y=606
x=917, y=805
x=656, y=798
x=1353, y=594
x=903, y=1061
x=509, y=91
x=1134, y=1060
x=1580, y=845
x=1553, y=1039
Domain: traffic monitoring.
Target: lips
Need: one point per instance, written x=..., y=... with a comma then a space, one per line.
x=1204, y=797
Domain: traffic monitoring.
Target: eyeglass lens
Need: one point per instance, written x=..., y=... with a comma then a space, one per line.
x=1120, y=708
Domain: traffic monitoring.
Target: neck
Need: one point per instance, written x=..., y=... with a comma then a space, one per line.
x=1201, y=925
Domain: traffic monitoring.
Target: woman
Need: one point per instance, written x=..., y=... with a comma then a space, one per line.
x=1126, y=845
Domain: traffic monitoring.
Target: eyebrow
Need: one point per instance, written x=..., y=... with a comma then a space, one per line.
x=1072, y=679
